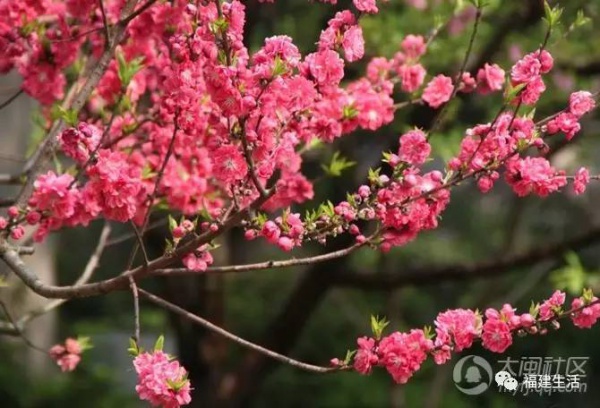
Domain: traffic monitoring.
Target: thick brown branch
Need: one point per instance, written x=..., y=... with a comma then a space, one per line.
x=433, y=274
x=11, y=257
x=88, y=271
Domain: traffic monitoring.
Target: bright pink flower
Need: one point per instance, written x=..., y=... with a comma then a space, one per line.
x=546, y=61
x=198, y=260
x=533, y=175
x=54, y=194
x=582, y=178
x=80, y=8
x=271, y=232
x=586, y=317
x=43, y=81
x=526, y=69
x=68, y=362
x=550, y=306
x=353, y=43
x=285, y=244
x=565, y=122
x=78, y=143
x=411, y=77
x=532, y=92
x=366, y=357
x=56, y=351
x=366, y=6
x=325, y=67
x=581, y=103
x=115, y=185
x=414, y=46
x=414, y=148
x=490, y=78
x=161, y=381
x=229, y=164
x=67, y=356
x=496, y=335
x=467, y=83
x=73, y=346
x=438, y=91
x=403, y=353
x=462, y=325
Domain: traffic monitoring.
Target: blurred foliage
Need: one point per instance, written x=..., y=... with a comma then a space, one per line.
x=475, y=227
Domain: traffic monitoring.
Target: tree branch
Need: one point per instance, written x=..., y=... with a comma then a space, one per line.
x=91, y=266
x=434, y=274
x=271, y=264
x=245, y=343
x=11, y=257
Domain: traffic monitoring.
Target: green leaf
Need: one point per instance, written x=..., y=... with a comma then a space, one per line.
x=172, y=223
x=552, y=14
x=572, y=277
x=133, y=349
x=534, y=309
x=513, y=91
x=378, y=326
x=337, y=165
x=349, y=355
x=127, y=70
x=85, y=343
x=160, y=342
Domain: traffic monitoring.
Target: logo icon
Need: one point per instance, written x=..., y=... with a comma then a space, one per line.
x=472, y=375
x=504, y=379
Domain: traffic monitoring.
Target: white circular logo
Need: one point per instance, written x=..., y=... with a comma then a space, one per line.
x=472, y=375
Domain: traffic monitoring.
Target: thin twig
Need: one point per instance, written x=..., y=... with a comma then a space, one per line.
x=136, y=13
x=105, y=24
x=245, y=343
x=18, y=331
x=458, y=79
x=272, y=264
x=136, y=309
x=126, y=237
x=11, y=99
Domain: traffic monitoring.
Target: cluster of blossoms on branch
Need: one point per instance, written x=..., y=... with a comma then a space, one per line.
x=402, y=354
x=68, y=355
x=186, y=118
x=223, y=123
x=161, y=380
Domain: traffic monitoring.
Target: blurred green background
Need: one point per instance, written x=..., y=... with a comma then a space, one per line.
x=314, y=313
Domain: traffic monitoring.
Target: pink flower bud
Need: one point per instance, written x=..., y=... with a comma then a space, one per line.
x=178, y=232
x=13, y=212
x=33, y=217
x=285, y=243
x=527, y=320
x=72, y=346
x=17, y=233
x=364, y=191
